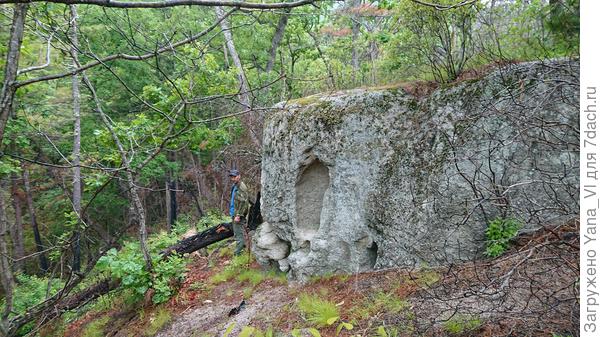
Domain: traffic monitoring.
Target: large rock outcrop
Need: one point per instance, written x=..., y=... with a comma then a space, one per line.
x=375, y=178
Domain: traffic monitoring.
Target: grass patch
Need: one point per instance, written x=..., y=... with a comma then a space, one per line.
x=252, y=276
x=424, y=278
x=237, y=264
x=248, y=291
x=328, y=277
x=318, y=311
x=462, y=323
x=158, y=320
x=379, y=302
x=277, y=276
x=95, y=328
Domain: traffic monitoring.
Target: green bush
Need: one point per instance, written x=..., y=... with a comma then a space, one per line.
x=128, y=265
x=498, y=234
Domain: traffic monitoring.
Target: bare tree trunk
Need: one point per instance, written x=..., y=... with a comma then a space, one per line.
x=12, y=65
x=283, y=20
x=76, y=141
x=6, y=275
x=244, y=94
x=34, y=225
x=17, y=229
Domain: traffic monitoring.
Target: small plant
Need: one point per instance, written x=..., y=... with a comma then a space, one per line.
x=389, y=332
x=461, y=323
x=318, y=311
x=498, y=234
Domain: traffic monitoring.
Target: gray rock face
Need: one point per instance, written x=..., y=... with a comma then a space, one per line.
x=377, y=178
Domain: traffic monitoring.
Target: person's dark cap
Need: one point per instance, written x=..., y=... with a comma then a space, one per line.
x=234, y=173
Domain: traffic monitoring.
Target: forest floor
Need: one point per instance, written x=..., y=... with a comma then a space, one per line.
x=532, y=290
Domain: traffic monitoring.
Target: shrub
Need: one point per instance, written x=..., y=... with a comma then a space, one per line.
x=498, y=234
x=128, y=266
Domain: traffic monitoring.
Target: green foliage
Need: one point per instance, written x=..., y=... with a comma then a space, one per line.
x=318, y=311
x=212, y=218
x=128, y=265
x=499, y=233
x=8, y=166
x=462, y=323
x=29, y=291
x=158, y=320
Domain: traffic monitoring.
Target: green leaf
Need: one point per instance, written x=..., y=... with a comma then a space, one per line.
x=247, y=331
x=332, y=320
x=229, y=330
x=381, y=332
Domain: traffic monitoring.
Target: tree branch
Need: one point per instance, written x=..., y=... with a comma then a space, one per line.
x=122, y=56
x=172, y=3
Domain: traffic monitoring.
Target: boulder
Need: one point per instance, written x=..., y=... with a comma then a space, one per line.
x=376, y=178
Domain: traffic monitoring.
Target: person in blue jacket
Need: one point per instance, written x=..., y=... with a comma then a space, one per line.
x=239, y=207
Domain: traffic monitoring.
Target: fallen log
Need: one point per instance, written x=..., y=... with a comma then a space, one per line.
x=213, y=234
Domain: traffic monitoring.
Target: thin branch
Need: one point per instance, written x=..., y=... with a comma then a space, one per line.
x=42, y=66
x=172, y=3
x=122, y=56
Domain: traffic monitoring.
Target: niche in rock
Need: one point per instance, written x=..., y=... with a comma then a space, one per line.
x=310, y=189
